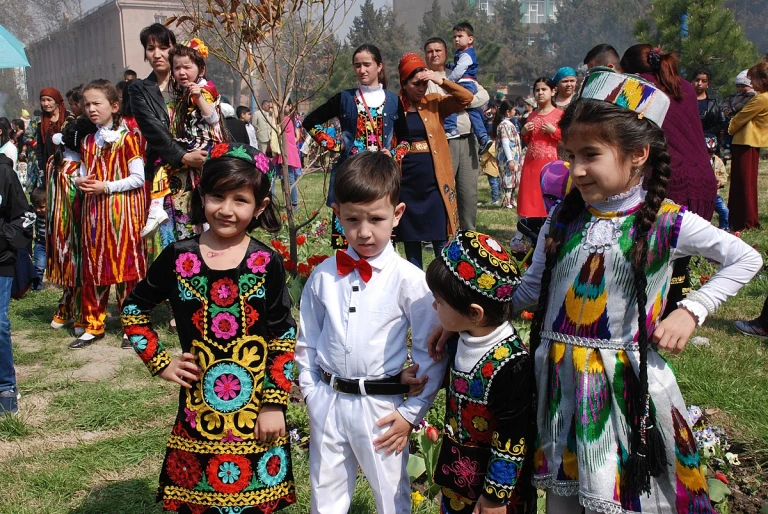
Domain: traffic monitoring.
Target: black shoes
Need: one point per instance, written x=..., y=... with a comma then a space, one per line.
x=81, y=343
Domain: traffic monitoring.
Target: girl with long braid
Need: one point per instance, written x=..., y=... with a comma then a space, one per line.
x=613, y=430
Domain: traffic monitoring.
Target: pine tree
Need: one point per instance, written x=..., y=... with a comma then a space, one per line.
x=434, y=24
x=714, y=39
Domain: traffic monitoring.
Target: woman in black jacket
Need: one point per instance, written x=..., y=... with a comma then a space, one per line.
x=710, y=112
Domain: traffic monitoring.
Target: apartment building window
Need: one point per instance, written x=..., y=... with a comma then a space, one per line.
x=535, y=11
x=159, y=18
x=487, y=7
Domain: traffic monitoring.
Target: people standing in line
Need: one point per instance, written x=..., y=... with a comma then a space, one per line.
x=17, y=219
x=464, y=72
x=712, y=119
x=565, y=82
x=371, y=117
x=542, y=135
x=613, y=418
x=692, y=183
x=244, y=114
x=228, y=450
x=734, y=103
x=356, y=309
x=427, y=185
x=464, y=154
x=264, y=125
x=113, y=212
x=508, y=153
x=749, y=129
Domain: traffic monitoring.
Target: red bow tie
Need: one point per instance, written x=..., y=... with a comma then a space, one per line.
x=346, y=264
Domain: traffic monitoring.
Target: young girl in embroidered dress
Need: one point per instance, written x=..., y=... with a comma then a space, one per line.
x=112, y=213
x=228, y=450
x=371, y=118
x=196, y=123
x=489, y=411
x=613, y=431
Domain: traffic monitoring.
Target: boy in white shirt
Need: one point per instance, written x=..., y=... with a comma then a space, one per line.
x=355, y=311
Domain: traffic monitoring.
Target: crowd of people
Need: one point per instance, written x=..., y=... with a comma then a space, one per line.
x=153, y=186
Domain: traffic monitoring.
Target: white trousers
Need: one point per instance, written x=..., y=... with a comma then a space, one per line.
x=342, y=428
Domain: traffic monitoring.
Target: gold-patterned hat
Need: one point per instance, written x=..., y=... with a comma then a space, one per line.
x=629, y=91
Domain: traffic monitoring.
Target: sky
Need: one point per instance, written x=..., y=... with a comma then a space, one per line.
x=344, y=29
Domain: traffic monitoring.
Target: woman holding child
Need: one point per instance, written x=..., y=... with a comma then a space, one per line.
x=427, y=185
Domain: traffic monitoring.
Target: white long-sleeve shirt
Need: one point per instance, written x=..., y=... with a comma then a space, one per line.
x=353, y=329
x=135, y=178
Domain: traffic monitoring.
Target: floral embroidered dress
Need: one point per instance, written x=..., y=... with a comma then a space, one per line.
x=488, y=425
x=241, y=330
x=542, y=148
x=586, y=367
x=508, y=149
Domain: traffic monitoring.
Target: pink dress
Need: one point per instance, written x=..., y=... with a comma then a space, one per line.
x=542, y=148
x=290, y=140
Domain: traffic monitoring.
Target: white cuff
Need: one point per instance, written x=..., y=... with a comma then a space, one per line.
x=698, y=310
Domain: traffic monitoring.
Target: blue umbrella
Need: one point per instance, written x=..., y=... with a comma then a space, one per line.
x=11, y=51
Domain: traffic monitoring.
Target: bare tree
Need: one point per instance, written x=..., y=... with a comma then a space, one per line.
x=285, y=48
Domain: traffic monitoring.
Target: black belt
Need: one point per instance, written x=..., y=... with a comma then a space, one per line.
x=384, y=386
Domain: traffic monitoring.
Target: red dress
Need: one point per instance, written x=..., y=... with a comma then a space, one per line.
x=542, y=148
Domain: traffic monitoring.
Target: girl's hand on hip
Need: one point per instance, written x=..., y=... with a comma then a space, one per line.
x=673, y=333
x=182, y=370
x=486, y=506
x=270, y=424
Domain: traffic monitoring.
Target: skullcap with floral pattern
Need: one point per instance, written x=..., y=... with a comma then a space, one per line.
x=483, y=264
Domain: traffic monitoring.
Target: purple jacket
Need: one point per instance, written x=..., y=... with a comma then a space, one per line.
x=693, y=182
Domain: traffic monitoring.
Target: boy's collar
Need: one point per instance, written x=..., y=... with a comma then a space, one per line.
x=379, y=260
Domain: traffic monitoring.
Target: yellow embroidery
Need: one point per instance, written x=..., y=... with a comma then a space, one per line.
x=158, y=362
x=229, y=499
x=217, y=447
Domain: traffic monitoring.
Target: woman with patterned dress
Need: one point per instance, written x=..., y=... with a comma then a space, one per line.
x=507, y=153
x=542, y=135
x=228, y=451
x=371, y=118
x=113, y=211
x=613, y=430
x=427, y=186
x=484, y=464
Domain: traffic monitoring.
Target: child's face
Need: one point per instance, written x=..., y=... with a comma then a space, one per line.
x=451, y=319
x=40, y=208
x=542, y=93
x=462, y=40
x=366, y=68
x=97, y=107
x=368, y=226
x=596, y=169
x=185, y=72
x=229, y=213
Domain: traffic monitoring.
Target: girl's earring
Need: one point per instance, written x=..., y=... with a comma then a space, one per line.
x=636, y=171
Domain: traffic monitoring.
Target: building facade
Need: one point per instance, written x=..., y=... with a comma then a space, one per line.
x=100, y=44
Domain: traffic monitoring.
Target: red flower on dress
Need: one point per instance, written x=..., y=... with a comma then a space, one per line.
x=273, y=465
x=198, y=319
x=251, y=315
x=227, y=387
x=183, y=468
x=465, y=270
x=258, y=261
x=144, y=341
x=224, y=292
x=224, y=325
x=229, y=473
x=187, y=264
x=219, y=150
x=281, y=371
x=487, y=369
x=476, y=419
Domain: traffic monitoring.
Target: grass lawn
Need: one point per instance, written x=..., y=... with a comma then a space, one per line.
x=91, y=433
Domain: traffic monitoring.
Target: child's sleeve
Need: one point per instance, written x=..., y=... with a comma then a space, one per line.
x=313, y=123
x=281, y=340
x=135, y=178
x=138, y=306
x=212, y=97
x=527, y=293
x=312, y=314
x=417, y=299
x=510, y=442
x=739, y=263
x=465, y=61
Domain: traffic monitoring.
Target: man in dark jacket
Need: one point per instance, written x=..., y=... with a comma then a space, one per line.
x=16, y=221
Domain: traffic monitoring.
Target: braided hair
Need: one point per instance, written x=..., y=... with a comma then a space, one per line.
x=621, y=129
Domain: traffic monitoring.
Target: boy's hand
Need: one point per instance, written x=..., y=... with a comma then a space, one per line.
x=486, y=506
x=396, y=438
x=270, y=424
x=673, y=333
x=408, y=377
x=437, y=341
x=182, y=370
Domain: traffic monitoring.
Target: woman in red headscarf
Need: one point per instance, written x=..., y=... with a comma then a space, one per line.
x=427, y=186
x=53, y=118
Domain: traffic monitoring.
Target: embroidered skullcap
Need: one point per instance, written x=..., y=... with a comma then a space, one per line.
x=742, y=79
x=565, y=71
x=480, y=262
x=408, y=64
x=243, y=152
x=629, y=91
